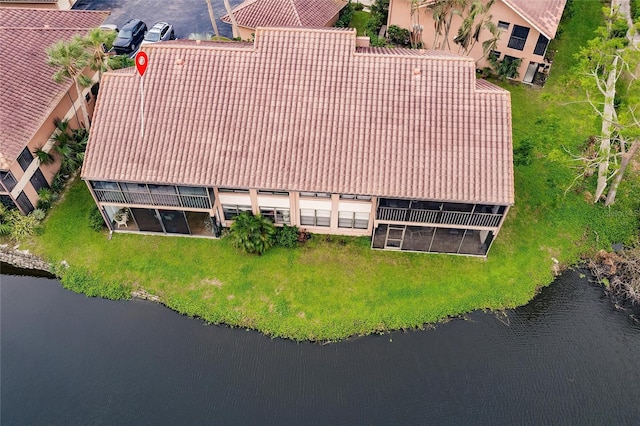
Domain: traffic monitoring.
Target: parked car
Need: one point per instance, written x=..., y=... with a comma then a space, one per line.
x=161, y=31
x=130, y=37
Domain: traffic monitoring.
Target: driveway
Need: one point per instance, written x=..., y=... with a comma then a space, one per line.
x=186, y=16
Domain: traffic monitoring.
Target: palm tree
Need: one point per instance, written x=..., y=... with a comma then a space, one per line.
x=469, y=31
x=44, y=156
x=234, y=24
x=252, y=234
x=98, y=42
x=71, y=58
x=213, y=19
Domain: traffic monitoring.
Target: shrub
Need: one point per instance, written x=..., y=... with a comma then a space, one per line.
x=523, y=153
x=96, y=222
x=287, y=236
x=399, y=36
x=22, y=227
x=46, y=198
x=252, y=234
x=358, y=7
x=39, y=214
x=79, y=280
x=345, y=16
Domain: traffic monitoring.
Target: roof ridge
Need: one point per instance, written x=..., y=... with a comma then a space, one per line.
x=295, y=10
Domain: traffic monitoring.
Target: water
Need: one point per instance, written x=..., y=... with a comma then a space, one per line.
x=567, y=357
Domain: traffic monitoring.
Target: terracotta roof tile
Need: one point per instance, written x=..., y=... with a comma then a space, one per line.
x=303, y=111
x=544, y=14
x=28, y=93
x=285, y=13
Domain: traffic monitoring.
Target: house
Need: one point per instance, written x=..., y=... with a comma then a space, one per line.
x=404, y=146
x=252, y=14
x=29, y=98
x=526, y=27
x=38, y=4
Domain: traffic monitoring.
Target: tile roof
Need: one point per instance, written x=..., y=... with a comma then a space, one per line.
x=543, y=14
x=285, y=13
x=302, y=110
x=27, y=98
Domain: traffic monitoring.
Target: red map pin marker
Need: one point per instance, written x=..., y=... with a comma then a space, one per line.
x=141, y=62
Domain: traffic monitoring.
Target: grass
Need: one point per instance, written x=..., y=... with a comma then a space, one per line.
x=359, y=20
x=327, y=290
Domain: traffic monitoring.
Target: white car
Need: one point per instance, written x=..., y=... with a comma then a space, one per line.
x=161, y=31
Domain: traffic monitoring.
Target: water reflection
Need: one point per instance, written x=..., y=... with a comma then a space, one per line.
x=66, y=359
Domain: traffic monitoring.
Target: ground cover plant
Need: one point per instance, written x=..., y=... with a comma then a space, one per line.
x=330, y=288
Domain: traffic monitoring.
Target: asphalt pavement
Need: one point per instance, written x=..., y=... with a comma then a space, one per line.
x=186, y=16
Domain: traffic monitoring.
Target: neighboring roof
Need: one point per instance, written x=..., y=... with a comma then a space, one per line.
x=29, y=1
x=545, y=15
x=302, y=110
x=28, y=93
x=285, y=13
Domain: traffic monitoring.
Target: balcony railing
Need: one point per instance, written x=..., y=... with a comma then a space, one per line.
x=151, y=199
x=395, y=214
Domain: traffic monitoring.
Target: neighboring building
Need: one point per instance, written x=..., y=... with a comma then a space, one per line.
x=29, y=98
x=527, y=27
x=305, y=128
x=252, y=14
x=38, y=4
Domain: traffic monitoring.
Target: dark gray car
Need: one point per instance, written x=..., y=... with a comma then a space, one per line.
x=130, y=37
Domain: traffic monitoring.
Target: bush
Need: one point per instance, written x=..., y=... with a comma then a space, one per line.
x=96, y=222
x=78, y=280
x=358, y=7
x=39, y=214
x=287, y=236
x=523, y=153
x=252, y=234
x=22, y=227
x=399, y=36
x=345, y=16
x=46, y=198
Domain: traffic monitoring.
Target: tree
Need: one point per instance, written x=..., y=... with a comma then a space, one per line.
x=213, y=19
x=71, y=58
x=98, y=42
x=234, y=24
x=471, y=27
x=608, y=61
x=252, y=234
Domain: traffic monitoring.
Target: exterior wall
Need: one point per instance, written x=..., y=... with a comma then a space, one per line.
x=67, y=108
x=246, y=33
x=400, y=15
x=429, y=226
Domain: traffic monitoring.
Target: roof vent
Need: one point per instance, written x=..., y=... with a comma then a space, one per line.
x=179, y=61
x=47, y=26
x=198, y=41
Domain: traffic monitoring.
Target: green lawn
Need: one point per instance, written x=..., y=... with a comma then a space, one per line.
x=359, y=20
x=329, y=290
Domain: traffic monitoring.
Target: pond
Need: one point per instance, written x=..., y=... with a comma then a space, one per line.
x=568, y=356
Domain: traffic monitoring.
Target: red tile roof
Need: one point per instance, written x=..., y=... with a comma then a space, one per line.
x=285, y=13
x=28, y=93
x=543, y=14
x=304, y=111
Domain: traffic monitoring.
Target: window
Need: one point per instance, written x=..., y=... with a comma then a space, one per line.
x=23, y=202
x=354, y=197
x=192, y=190
x=311, y=217
x=38, y=181
x=503, y=25
x=25, y=159
x=236, y=190
x=357, y=220
x=276, y=215
x=279, y=193
x=8, y=180
x=518, y=37
x=98, y=184
x=495, y=54
x=512, y=65
x=230, y=212
x=315, y=194
x=541, y=45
